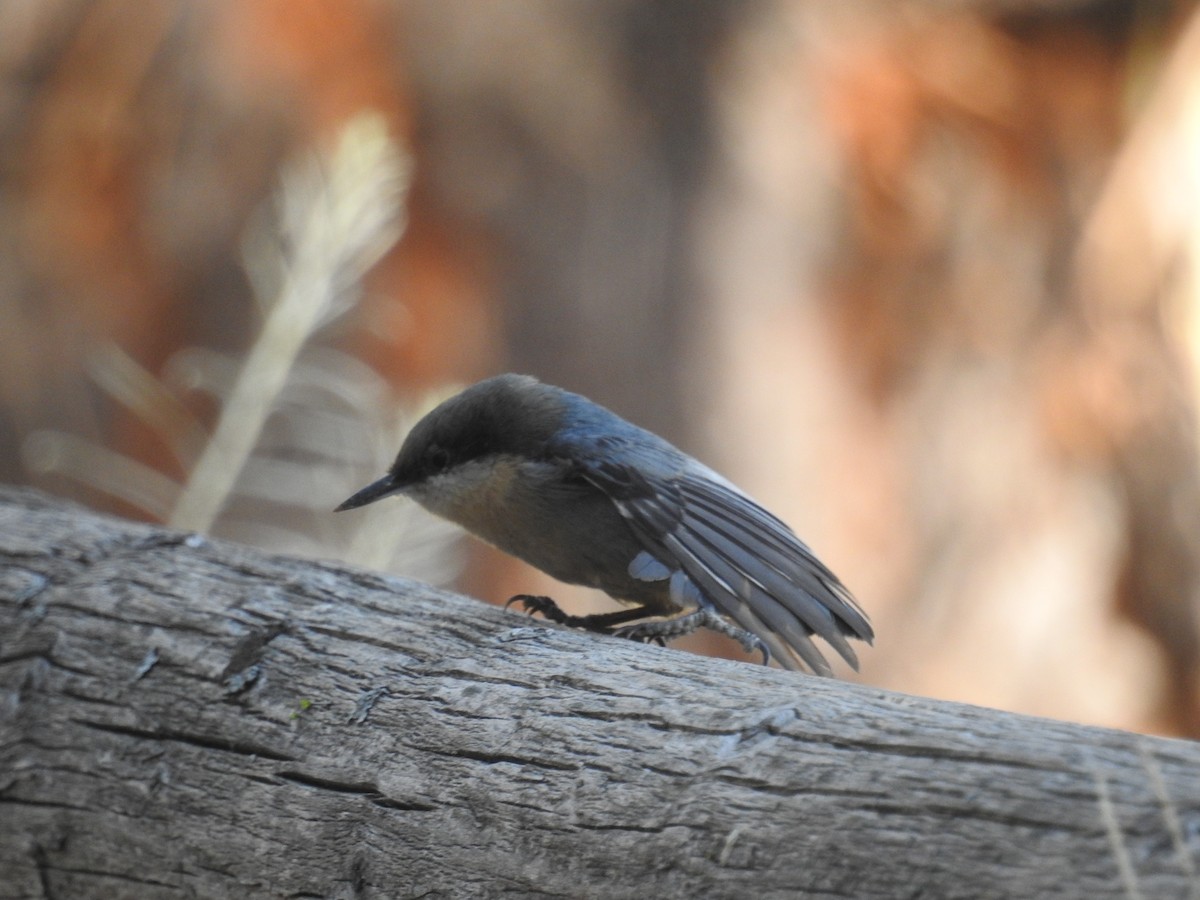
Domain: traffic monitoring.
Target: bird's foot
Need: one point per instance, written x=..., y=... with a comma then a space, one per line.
x=642, y=634
x=663, y=630
x=549, y=610
x=533, y=603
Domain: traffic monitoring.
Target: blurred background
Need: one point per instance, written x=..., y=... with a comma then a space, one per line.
x=920, y=276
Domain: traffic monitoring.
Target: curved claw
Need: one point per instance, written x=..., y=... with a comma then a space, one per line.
x=531, y=602
x=535, y=603
x=757, y=644
x=748, y=639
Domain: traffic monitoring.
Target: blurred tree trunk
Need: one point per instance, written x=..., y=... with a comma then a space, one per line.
x=187, y=717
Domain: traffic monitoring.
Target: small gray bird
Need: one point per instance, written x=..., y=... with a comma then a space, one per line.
x=573, y=489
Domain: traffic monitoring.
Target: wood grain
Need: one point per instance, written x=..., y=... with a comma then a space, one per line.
x=184, y=717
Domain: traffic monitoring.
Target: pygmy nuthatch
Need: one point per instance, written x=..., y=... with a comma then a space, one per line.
x=575, y=490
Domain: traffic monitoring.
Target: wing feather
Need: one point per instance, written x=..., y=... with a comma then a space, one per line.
x=747, y=597
x=743, y=561
x=781, y=564
x=713, y=587
x=758, y=532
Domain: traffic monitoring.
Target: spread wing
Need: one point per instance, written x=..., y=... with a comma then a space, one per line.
x=739, y=559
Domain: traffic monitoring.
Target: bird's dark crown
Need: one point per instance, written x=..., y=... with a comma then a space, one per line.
x=507, y=414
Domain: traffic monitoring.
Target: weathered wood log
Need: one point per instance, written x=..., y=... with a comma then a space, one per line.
x=184, y=717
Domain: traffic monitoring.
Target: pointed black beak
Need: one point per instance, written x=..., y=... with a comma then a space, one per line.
x=376, y=490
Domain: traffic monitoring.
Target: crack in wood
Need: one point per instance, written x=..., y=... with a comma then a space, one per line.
x=492, y=759
x=242, y=748
x=366, y=789
x=933, y=752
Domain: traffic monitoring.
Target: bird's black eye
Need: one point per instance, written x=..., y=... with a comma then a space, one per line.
x=438, y=459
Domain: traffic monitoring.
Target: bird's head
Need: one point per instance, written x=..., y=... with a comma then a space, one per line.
x=506, y=416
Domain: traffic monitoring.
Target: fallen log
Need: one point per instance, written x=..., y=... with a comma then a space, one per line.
x=185, y=717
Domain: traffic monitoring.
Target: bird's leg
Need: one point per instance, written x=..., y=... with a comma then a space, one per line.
x=663, y=630
x=602, y=622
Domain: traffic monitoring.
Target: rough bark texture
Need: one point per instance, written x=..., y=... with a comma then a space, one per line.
x=182, y=717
